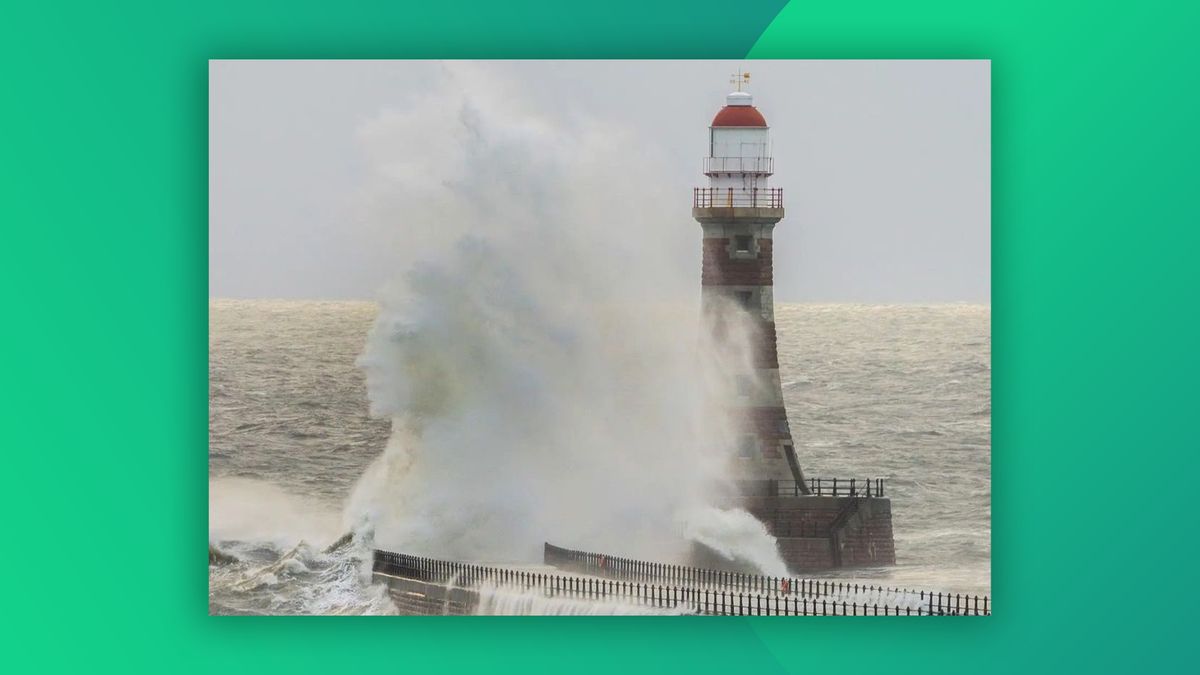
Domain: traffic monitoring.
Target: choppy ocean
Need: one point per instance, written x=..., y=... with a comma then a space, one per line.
x=900, y=392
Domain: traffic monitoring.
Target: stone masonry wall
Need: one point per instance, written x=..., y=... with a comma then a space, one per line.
x=422, y=598
x=721, y=269
x=806, y=553
x=856, y=531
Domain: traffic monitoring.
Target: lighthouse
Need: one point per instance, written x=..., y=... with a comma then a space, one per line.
x=818, y=523
x=738, y=211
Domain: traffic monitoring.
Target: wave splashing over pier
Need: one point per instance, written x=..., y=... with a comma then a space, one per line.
x=540, y=353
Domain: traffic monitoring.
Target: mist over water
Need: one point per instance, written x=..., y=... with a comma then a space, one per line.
x=896, y=391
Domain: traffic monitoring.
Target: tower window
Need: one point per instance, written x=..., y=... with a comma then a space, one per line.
x=744, y=297
x=741, y=243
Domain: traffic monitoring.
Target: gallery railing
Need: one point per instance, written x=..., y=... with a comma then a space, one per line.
x=766, y=198
x=758, y=165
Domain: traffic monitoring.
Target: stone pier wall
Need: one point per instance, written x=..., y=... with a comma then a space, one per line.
x=423, y=598
x=817, y=533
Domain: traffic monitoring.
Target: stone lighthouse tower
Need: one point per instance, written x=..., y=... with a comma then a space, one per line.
x=817, y=523
x=738, y=212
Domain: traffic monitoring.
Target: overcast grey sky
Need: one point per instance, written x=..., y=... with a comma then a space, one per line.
x=885, y=166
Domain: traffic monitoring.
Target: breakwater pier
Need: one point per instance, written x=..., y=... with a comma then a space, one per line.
x=580, y=582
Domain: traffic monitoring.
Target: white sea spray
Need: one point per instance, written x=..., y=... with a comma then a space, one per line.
x=540, y=354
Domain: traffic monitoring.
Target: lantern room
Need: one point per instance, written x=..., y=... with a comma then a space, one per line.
x=739, y=146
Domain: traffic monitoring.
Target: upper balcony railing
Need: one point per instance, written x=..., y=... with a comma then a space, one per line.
x=815, y=487
x=832, y=487
x=760, y=165
x=765, y=198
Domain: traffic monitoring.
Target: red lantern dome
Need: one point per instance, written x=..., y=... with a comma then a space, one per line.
x=738, y=112
x=739, y=116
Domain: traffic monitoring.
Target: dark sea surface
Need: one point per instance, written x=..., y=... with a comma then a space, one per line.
x=900, y=392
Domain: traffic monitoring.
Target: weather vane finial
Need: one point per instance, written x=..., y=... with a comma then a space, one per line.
x=739, y=79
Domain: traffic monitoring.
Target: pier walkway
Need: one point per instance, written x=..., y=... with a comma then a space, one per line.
x=430, y=585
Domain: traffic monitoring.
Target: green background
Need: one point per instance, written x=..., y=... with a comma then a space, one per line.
x=104, y=264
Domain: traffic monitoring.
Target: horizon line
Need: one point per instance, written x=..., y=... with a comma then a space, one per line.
x=985, y=303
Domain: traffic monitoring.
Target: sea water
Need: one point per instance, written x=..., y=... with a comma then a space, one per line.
x=901, y=392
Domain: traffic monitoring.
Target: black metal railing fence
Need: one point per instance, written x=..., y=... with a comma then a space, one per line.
x=679, y=598
x=766, y=198
x=832, y=487
x=616, y=567
x=814, y=487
